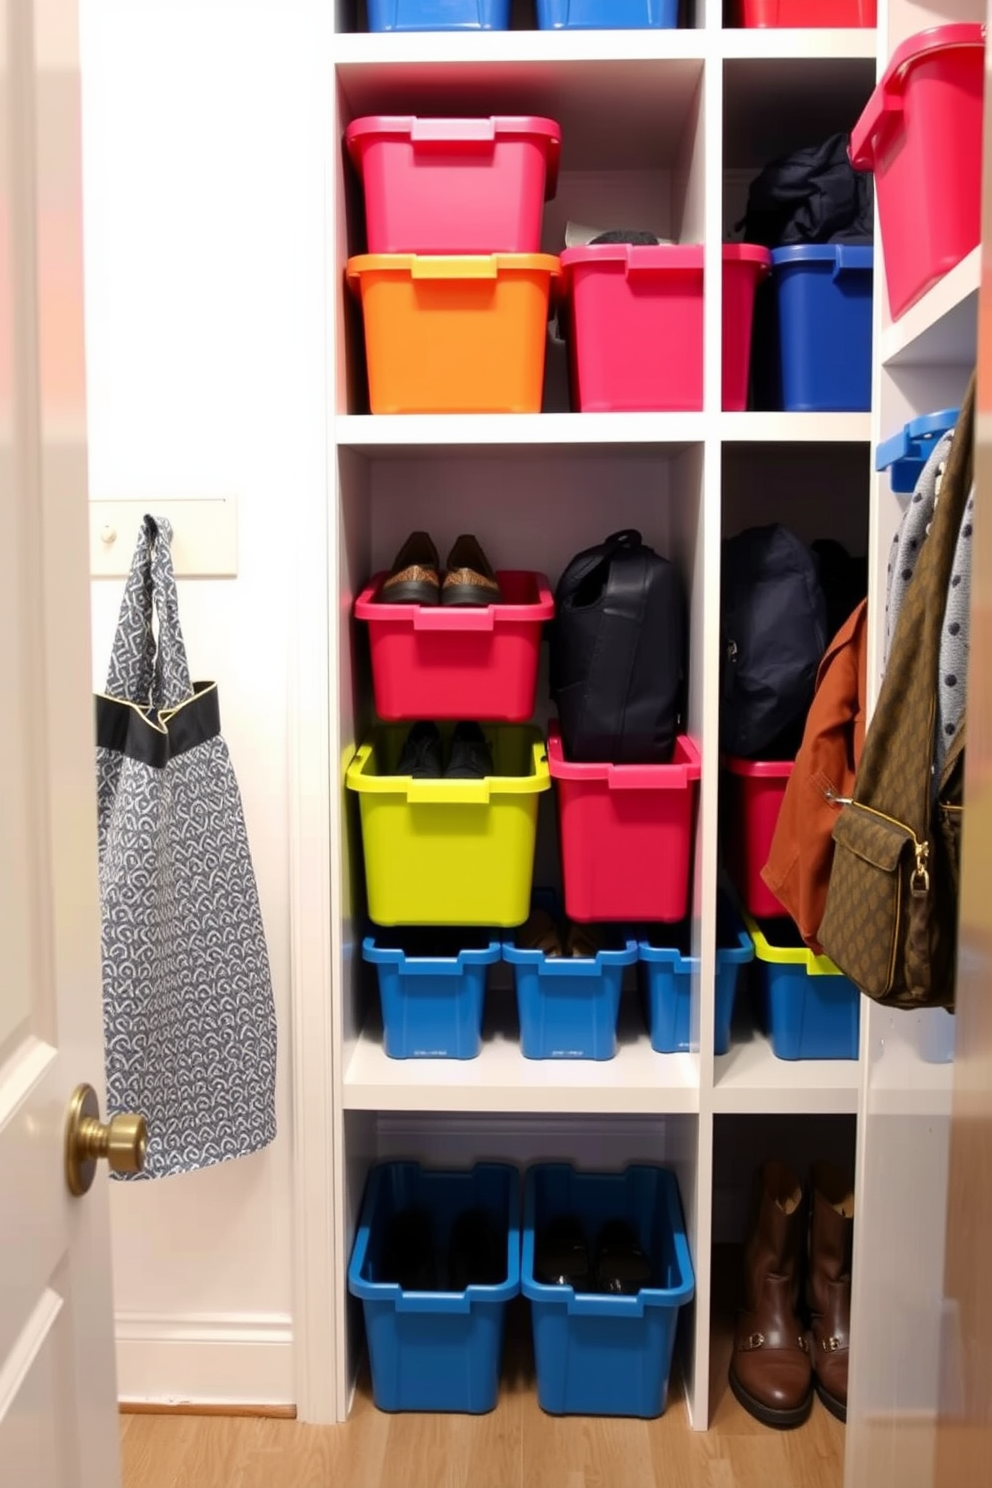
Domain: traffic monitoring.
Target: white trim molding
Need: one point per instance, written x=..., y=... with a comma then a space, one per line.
x=205, y=1358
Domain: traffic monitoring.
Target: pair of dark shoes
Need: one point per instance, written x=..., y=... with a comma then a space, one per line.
x=619, y=1266
x=469, y=757
x=476, y=1252
x=543, y=933
x=415, y=577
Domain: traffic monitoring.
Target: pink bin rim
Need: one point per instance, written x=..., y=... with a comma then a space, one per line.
x=641, y=258
x=747, y=253
x=686, y=767
x=887, y=95
x=456, y=618
x=757, y=769
x=460, y=131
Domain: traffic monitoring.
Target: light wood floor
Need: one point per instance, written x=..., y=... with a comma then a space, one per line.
x=517, y=1446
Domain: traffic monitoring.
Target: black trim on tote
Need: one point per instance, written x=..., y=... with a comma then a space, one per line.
x=140, y=735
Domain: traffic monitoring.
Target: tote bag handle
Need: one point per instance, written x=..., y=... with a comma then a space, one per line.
x=146, y=670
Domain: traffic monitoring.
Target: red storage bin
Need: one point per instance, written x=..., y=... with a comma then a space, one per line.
x=921, y=134
x=753, y=799
x=635, y=327
x=442, y=661
x=626, y=834
x=806, y=12
x=455, y=186
x=744, y=267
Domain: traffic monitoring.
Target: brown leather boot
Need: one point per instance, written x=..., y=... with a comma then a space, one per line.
x=828, y=1283
x=770, y=1370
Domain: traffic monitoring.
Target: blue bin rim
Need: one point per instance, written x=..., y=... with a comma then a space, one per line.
x=843, y=256
x=738, y=954
x=430, y=965
x=435, y=1302
x=929, y=426
x=590, y=1304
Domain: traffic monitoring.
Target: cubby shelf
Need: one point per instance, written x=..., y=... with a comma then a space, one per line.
x=942, y=328
x=401, y=433
x=749, y=1080
x=785, y=44
x=637, y=1082
x=795, y=428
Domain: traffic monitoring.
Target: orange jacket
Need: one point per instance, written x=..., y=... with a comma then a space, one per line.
x=798, y=867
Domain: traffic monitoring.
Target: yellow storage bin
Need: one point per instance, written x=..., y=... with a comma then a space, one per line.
x=450, y=852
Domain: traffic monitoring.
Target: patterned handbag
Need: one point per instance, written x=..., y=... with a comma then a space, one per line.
x=891, y=916
x=189, y=1022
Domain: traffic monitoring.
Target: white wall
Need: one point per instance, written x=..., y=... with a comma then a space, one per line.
x=205, y=351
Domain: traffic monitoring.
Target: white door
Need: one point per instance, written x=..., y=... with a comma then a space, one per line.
x=57, y=1410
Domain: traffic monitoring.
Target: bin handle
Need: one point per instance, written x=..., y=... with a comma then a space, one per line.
x=647, y=777
x=440, y=617
x=842, y=261
x=428, y=266
x=448, y=792
x=452, y=131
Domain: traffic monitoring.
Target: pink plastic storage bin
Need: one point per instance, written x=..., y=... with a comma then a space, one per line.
x=752, y=801
x=626, y=834
x=744, y=267
x=921, y=134
x=635, y=327
x=441, y=661
x=455, y=186
x=806, y=12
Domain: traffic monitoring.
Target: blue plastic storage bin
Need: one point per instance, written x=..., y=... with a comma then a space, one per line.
x=568, y=1005
x=432, y=994
x=435, y=1351
x=439, y=15
x=824, y=316
x=605, y=1355
x=665, y=978
x=906, y=453
x=810, y=1010
x=607, y=15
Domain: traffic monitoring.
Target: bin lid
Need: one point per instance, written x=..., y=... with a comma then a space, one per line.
x=843, y=256
x=453, y=266
x=924, y=44
x=667, y=257
x=757, y=769
x=746, y=253
x=431, y=131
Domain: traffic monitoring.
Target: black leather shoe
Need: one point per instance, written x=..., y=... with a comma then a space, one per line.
x=561, y=1257
x=622, y=1268
x=414, y=577
x=421, y=755
x=470, y=579
x=471, y=757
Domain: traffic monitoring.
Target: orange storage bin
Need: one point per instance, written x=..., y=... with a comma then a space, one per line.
x=454, y=334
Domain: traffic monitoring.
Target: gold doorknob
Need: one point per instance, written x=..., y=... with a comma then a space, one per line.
x=122, y=1140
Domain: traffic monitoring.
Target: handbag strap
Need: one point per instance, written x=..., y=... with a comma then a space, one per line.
x=144, y=669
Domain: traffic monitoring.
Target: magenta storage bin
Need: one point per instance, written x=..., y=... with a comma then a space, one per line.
x=635, y=326
x=626, y=834
x=751, y=804
x=744, y=267
x=455, y=186
x=444, y=661
x=921, y=134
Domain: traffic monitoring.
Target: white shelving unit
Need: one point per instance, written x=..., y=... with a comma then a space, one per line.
x=662, y=130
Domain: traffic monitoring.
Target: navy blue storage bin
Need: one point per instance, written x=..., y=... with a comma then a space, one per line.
x=432, y=987
x=906, y=453
x=824, y=312
x=665, y=974
x=435, y=1351
x=568, y=1005
x=607, y=15
x=604, y=1355
x=439, y=15
x=810, y=1011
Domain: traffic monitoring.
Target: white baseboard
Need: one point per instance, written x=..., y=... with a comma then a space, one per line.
x=205, y=1358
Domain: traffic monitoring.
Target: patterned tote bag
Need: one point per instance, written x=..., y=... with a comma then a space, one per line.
x=189, y=1022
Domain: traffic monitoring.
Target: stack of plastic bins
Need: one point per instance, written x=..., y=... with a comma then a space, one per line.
x=752, y=798
x=454, y=291
x=810, y=1010
x=823, y=293
x=921, y=134
x=435, y=1351
x=627, y=834
x=602, y=1355
x=665, y=972
x=568, y=1005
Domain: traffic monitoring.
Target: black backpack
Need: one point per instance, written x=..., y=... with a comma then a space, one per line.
x=773, y=623
x=811, y=196
x=617, y=654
